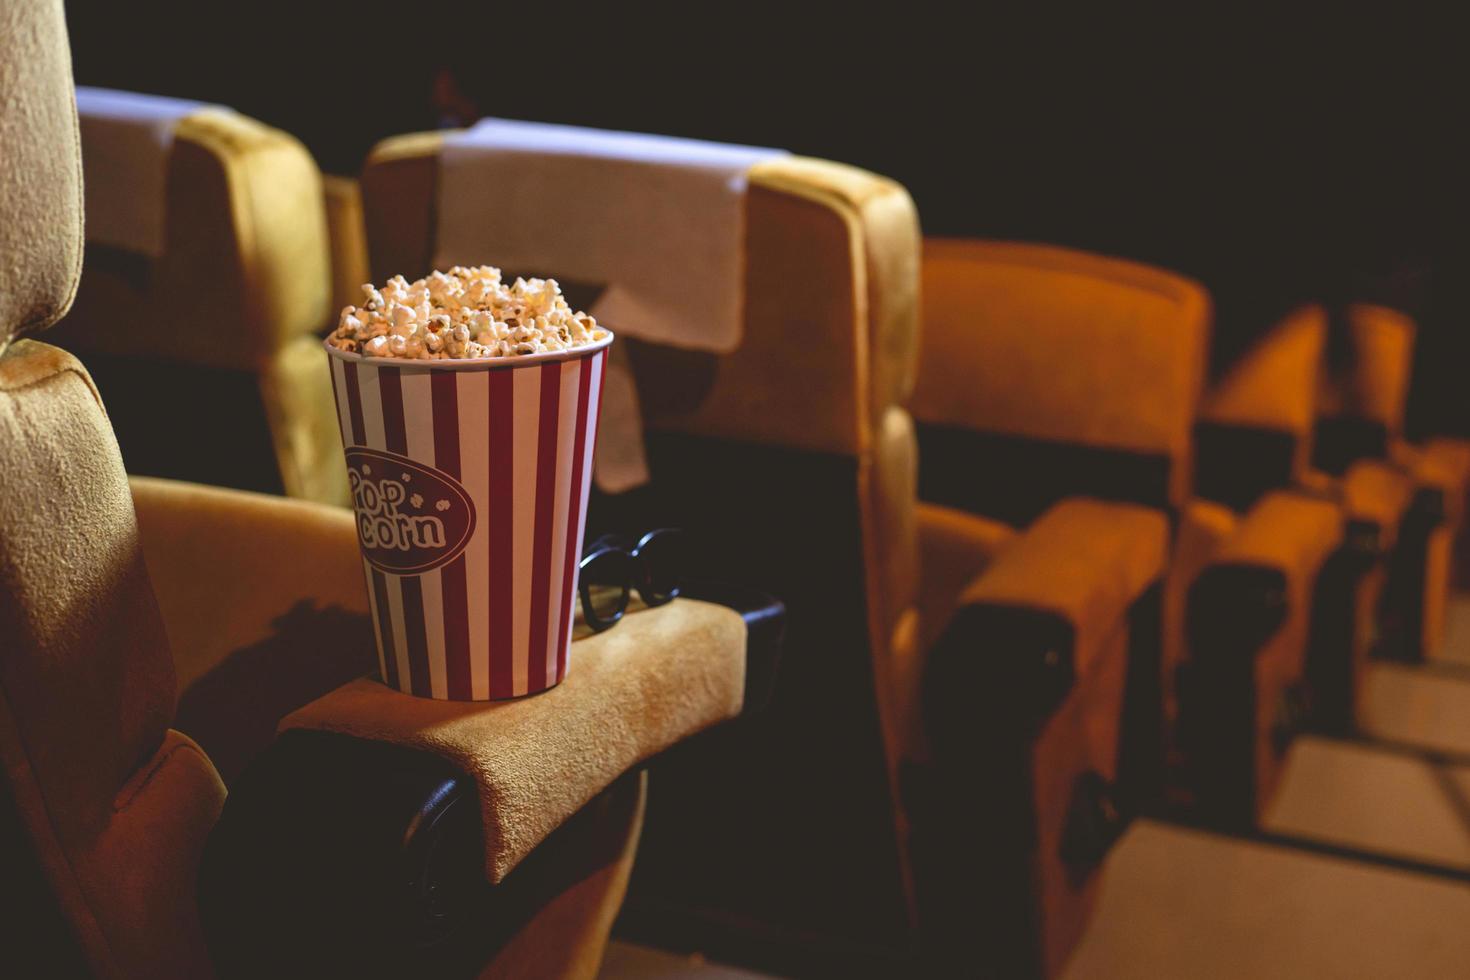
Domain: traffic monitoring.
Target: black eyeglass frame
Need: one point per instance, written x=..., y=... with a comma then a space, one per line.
x=638, y=575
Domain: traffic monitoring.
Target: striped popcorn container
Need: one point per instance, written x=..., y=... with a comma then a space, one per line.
x=470, y=483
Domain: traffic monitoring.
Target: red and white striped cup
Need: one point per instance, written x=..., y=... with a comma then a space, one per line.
x=470, y=482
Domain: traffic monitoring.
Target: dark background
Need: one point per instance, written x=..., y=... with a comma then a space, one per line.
x=1276, y=157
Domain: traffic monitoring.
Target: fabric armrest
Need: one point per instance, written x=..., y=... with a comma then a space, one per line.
x=1039, y=618
x=1379, y=495
x=660, y=676
x=1083, y=562
x=1287, y=531
x=1265, y=568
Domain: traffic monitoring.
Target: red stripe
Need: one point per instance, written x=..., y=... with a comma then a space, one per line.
x=541, y=539
x=415, y=637
x=390, y=391
x=385, y=628
x=354, y=402
x=444, y=389
x=574, y=516
x=499, y=527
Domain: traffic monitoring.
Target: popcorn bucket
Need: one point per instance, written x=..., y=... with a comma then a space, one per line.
x=469, y=479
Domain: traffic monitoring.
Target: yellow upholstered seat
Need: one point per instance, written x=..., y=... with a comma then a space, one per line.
x=792, y=461
x=106, y=807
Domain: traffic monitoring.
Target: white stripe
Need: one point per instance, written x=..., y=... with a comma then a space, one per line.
x=367, y=572
x=344, y=407
x=594, y=399
x=372, y=407
x=474, y=463
x=418, y=430
x=566, y=446
x=525, y=416
x=371, y=398
x=372, y=429
x=400, y=648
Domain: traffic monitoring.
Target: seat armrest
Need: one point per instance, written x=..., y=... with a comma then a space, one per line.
x=1378, y=494
x=765, y=635
x=1035, y=620
x=1248, y=619
x=1083, y=562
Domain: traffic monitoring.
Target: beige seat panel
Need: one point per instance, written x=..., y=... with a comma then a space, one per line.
x=1184, y=904
x=1418, y=707
x=1374, y=800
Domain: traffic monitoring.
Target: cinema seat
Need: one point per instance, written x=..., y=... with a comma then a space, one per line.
x=1262, y=428
x=206, y=335
x=792, y=460
x=1254, y=442
x=105, y=805
x=1362, y=402
x=1019, y=336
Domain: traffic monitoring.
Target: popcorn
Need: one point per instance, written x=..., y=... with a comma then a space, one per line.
x=464, y=313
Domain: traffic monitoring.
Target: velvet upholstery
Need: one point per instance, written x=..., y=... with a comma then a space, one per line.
x=41, y=187
x=255, y=634
x=1292, y=536
x=1273, y=385
x=348, y=237
x=115, y=806
x=662, y=675
x=1371, y=380
x=1085, y=561
x=572, y=916
x=1379, y=493
x=243, y=286
x=954, y=548
x=1004, y=322
x=1203, y=529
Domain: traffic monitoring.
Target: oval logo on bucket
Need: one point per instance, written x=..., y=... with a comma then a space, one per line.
x=410, y=517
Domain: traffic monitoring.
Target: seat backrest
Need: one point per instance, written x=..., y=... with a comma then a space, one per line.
x=793, y=461
x=1363, y=392
x=1046, y=373
x=86, y=682
x=215, y=308
x=1258, y=420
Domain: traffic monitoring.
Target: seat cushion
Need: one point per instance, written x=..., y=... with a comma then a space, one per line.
x=1184, y=904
